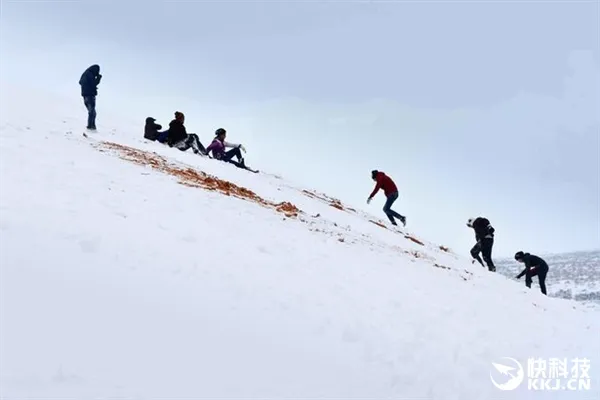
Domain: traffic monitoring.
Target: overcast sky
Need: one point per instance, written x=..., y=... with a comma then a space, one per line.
x=474, y=108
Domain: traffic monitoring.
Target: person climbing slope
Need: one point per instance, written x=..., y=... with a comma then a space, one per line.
x=534, y=265
x=89, y=81
x=391, y=192
x=484, y=234
x=218, y=146
x=180, y=139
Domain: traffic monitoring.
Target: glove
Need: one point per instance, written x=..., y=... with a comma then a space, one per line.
x=369, y=200
x=243, y=148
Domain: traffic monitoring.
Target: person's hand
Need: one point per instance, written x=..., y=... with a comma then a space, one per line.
x=243, y=148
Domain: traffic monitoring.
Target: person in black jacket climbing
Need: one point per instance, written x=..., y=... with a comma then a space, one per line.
x=534, y=265
x=484, y=234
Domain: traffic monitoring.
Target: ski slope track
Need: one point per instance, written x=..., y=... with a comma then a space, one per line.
x=132, y=270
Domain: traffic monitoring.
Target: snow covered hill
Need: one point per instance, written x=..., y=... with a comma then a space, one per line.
x=132, y=270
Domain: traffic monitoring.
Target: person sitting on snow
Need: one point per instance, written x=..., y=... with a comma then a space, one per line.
x=151, y=131
x=218, y=146
x=180, y=139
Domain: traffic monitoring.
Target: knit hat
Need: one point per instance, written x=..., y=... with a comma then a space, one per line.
x=179, y=115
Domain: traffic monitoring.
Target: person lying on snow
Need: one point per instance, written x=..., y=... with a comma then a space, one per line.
x=391, y=192
x=218, y=146
x=180, y=139
x=151, y=131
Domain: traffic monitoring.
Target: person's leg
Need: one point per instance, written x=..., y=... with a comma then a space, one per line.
x=197, y=144
x=530, y=274
x=193, y=142
x=229, y=154
x=387, y=210
x=237, y=164
x=486, y=252
x=183, y=145
x=475, y=253
x=542, y=279
x=162, y=136
x=90, y=104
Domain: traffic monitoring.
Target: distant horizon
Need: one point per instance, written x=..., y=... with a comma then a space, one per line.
x=597, y=250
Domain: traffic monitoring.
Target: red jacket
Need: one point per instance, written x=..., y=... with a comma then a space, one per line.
x=385, y=182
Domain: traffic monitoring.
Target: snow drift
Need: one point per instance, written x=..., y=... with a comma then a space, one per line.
x=129, y=269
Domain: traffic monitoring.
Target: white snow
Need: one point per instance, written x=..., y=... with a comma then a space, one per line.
x=117, y=281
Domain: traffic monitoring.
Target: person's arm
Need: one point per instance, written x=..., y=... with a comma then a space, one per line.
x=374, y=192
x=527, y=268
x=234, y=145
x=229, y=144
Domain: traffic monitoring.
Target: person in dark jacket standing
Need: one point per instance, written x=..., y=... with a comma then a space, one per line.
x=391, y=192
x=484, y=234
x=89, y=90
x=180, y=139
x=534, y=265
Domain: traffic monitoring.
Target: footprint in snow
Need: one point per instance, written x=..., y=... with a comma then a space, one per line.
x=350, y=335
x=189, y=239
x=87, y=246
x=263, y=249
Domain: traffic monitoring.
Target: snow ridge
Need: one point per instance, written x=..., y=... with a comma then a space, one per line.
x=132, y=270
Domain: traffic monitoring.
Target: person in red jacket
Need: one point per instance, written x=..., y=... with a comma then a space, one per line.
x=391, y=192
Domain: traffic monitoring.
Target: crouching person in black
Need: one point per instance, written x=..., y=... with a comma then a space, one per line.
x=180, y=139
x=534, y=265
x=484, y=234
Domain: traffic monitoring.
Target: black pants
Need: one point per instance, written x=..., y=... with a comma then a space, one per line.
x=229, y=154
x=192, y=141
x=541, y=273
x=485, y=248
x=90, y=104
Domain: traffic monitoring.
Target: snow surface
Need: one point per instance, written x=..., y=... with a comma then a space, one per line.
x=571, y=275
x=118, y=281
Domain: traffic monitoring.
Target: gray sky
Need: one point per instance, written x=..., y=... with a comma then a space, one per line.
x=474, y=108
